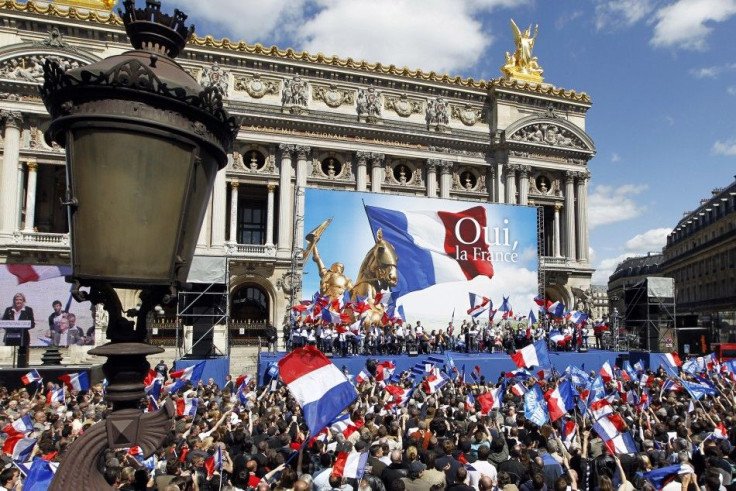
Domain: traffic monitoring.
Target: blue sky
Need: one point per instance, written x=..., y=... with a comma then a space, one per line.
x=661, y=73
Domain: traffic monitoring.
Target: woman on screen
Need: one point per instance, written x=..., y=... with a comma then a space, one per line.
x=19, y=337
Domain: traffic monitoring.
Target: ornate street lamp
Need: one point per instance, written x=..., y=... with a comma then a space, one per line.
x=143, y=142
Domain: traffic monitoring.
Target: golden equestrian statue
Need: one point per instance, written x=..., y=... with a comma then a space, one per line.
x=522, y=65
x=378, y=272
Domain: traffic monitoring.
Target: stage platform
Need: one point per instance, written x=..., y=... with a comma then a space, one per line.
x=10, y=377
x=491, y=364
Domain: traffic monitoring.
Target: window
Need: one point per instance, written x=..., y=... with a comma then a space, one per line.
x=251, y=222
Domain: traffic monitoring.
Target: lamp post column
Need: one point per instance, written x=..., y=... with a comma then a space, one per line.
x=9, y=177
x=31, y=196
x=234, y=185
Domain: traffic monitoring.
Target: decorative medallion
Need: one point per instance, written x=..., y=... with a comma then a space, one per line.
x=403, y=106
x=333, y=96
x=467, y=114
x=256, y=86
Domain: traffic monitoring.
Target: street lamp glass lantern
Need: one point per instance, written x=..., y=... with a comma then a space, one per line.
x=144, y=143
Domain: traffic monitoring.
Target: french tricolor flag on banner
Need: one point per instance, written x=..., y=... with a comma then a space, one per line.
x=435, y=246
x=28, y=272
x=75, y=381
x=350, y=465
x=30, y=377
x=318, y=386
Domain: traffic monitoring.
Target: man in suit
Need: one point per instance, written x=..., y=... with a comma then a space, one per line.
x=19, y=337
x=75, y=334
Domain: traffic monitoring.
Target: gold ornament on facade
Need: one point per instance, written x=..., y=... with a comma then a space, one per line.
x=521, y=64
x=88, y=4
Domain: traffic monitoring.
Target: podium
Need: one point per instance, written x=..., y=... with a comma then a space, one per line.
x=16, y=335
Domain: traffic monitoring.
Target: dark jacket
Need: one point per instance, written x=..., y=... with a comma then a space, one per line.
x=392, y=473
x=13, y=336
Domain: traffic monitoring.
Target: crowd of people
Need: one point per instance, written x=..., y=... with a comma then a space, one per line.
x=428, y=438
x=471, y=337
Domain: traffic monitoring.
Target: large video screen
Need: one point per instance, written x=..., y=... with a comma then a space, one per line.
x=40, y=294
x=429, y=255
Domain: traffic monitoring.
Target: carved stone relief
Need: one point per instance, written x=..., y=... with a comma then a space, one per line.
x=254, y=161
x=295, y=95
x=403, y=106
x=330, y=166
x=333, y=96
x=403, y=173
x=30, y=68
x=469, y=180
x=369, y=104
x=467, y=114
x=217, y=77
x=438, y=113
x=257, y=87
x=548, y=134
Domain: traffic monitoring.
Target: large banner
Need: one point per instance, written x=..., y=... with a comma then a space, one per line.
x=430, y=254
x=39, y=293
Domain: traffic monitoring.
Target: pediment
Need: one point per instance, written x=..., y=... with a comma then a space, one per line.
x=550, y=132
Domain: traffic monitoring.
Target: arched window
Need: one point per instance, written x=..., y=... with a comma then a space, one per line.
x=249, y=303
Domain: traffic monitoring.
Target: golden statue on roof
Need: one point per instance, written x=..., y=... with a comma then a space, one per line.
x=522, y=65
x=88, y=4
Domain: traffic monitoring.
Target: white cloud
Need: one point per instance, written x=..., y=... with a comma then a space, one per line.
x=727, y=148
x=441, y=35
x=686, y=24
x=731, y=90
x=615, y=157
x=621, y=13
x=712, y=71
x=248, y=20
x=609, y=204
x=566, y=18
x=650, y=241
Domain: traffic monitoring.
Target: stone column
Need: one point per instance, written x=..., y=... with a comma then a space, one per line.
x=582, y=216
x=302, y=153
x=285, y=201
x=445, y=177
x=234, y=185
x=491, y=184
x=269, y=215
x=432, y=177
x=524, y=184
x=510, y=183
x=376, y=171
x=9, y=192
x=360, y=171
x=556, y=231
x=219, y=210
x=31, y=196
x=570, y=215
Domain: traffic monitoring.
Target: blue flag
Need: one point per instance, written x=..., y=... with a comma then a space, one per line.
x=40, y=475
x=697, y=391
x=658, y=476
x=535, y=409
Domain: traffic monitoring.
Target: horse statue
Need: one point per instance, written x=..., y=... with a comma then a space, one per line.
x=378, y=272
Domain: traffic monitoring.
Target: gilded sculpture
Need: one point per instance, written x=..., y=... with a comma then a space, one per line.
x=521, y=64
x=378, y=273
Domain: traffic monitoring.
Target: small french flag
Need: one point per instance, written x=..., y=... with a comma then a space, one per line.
x=363, y=376
x=30, y=377
x=187, y=406
x=350, y=465
x=55, y=396
x=75, y=381
x=214, y=463
x=606, y=372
